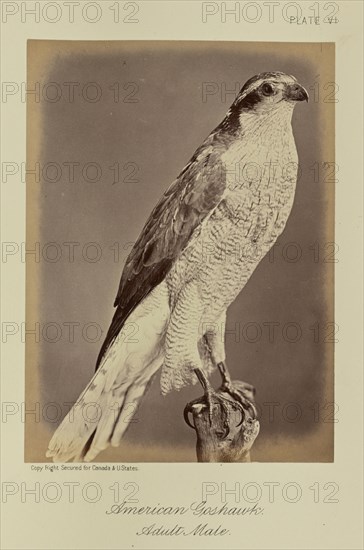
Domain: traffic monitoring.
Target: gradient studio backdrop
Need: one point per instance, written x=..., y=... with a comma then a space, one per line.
x=150, y=132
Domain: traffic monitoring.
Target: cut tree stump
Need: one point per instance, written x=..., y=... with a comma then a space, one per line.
x=211, y=444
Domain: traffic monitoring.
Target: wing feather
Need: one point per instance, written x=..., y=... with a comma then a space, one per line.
x=186, y=203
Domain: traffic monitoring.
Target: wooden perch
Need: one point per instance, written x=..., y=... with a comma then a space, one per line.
x=212, y=445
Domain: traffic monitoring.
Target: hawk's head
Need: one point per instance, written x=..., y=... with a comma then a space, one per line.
x=264, y=94
x=267, y=90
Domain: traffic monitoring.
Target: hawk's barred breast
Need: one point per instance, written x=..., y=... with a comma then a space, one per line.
x=259, y=194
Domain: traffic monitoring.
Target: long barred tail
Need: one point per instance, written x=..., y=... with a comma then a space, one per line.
x=99, y=418
x=103, y=411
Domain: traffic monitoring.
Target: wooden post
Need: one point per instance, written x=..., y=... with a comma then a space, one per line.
x=212, y=445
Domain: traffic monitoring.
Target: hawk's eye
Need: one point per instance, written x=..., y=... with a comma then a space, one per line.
x=267, y=89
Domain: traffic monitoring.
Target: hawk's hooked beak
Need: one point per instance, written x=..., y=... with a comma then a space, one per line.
x=296, y=92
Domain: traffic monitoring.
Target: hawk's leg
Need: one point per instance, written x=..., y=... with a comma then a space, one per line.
x=241, y=392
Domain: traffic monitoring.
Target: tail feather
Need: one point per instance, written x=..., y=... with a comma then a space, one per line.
x=100, y=416
x=104, y=410
x=135, y=393
x=101, y=440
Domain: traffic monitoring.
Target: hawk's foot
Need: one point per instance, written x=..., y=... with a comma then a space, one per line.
x=241, y=392
x=212, y=399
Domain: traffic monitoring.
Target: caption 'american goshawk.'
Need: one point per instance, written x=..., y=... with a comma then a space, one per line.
x=194, y=255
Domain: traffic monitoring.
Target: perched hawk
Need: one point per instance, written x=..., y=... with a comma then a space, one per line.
x=194, y=255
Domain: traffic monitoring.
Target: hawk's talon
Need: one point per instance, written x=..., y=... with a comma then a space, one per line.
x=240, y=396
x=186, y=413
x=212, y=398
x=236, y=401
x=209, y=400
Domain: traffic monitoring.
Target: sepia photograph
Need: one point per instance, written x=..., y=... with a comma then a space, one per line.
x=181, y=205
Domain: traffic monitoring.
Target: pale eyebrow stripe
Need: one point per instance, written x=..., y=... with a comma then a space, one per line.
x=286, y=80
